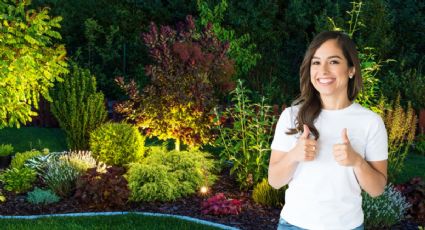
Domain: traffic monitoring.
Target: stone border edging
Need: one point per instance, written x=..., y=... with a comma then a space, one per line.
x=191, y=219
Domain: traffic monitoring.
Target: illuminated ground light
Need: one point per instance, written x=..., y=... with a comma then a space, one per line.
x=204, y=189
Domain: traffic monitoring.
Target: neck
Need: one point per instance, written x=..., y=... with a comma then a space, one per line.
x=332, y=103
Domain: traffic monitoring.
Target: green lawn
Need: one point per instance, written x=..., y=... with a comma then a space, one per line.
x=127, y=222
x=27, y=138
x=413, y=166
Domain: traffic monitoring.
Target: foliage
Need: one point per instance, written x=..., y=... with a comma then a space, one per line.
x=166, y=176
x=103, y=189
x=60, y=176
x=40, y=162
x=241, y=49
x=220, y=205
x=6, y=149
x=82, y=160
x=265, y=194
x=384, y=210
x=2, y=198
x=19, y=160
x=189, y=72
x=40, y=196
x=117, y=144
x=77, y=106
x=401, y=127
x=420, y=144
x=246, y=141
x=31, y=61
x=18, y=180
x=414, y=191
x=410, y=83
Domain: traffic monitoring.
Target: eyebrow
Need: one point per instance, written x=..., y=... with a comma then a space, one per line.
x=334, y=56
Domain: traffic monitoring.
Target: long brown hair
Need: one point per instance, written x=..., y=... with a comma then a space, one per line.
x=309, y=100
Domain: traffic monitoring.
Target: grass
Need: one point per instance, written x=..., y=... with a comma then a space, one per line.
x=127, y=222
x=27, y=138
x=414, y=166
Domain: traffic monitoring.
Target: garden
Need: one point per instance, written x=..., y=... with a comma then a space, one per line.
x=119, y=113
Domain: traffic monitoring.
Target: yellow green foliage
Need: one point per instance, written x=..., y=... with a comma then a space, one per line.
x=266, y=195
x=401, y=127
x=30, y=60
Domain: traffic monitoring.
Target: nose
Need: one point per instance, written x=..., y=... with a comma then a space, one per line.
x=323, y=68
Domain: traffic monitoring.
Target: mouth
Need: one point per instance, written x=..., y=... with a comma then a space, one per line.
x=325, y=81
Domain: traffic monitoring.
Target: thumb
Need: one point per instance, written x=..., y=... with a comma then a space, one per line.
x=306, y=132
x=345, y=139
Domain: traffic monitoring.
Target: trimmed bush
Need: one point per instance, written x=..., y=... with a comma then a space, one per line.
x=40, y=196
x=266, y=195
x=166, y=176
x=117, y=144
x=6, y=150
x=18, y=180
x=77, y=106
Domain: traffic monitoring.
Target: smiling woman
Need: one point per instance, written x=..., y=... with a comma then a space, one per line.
x=326, y=175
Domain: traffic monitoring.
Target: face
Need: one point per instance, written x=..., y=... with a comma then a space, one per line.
x=329, y=70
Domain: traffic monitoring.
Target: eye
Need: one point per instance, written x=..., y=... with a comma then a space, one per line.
x=334, y=62
x=315, y=63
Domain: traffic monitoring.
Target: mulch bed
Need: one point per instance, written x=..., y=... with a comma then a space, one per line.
x=253, y=216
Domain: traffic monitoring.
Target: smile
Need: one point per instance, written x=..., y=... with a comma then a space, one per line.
x=326, y=81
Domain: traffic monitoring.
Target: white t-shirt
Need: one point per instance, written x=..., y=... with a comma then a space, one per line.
x=323, y=194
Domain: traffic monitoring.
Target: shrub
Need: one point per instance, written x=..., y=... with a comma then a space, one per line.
x=81, y=160
x=219, y=205
x=420, y=144
x=384, y=210
x=401, y=127
x=19, y=160
x=18, y=180
x=40, y=162
x=265, y=194
x=60, y=176
x=103, y=190
x=6, y=150
x=246, y=141
x=117, y=144
x=414, y=191
x=77, y=106
x=40, y=196
x=167, y=176
x=190, y=70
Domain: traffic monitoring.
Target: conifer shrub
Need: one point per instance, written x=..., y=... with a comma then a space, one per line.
x=40, y=196
x=117, y=144
x=265, y=194
x=166, y=176
x=78, y=107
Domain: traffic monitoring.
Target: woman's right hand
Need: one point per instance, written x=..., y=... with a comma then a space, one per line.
x=305, y=149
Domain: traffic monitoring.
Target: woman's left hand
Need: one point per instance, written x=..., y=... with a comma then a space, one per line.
x=344, y=154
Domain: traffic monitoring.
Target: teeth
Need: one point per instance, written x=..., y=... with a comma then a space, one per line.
x=325, y=80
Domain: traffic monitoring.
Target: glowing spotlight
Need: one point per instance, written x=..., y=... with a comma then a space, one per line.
x=204, y=189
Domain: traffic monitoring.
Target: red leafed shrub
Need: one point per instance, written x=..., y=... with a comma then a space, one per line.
x=414, y=191
x=219, y=205
x=103, y=189
x=190, y=72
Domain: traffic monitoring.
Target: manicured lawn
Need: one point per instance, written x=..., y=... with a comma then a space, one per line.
x=413, y=166
x=127, y=222
x=27, y=138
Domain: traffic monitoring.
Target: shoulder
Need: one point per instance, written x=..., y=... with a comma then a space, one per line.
x=366, y=113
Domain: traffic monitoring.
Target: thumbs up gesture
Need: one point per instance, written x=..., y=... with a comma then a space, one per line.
x=305, y=149
x=344, y=154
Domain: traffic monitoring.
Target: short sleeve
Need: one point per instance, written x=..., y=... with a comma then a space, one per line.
x=377, y=141
x=282, y=141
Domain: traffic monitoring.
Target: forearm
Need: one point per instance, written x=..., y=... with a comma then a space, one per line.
x=370, y=179
x=282, y=170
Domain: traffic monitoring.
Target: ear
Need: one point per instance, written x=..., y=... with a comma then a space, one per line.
x=352, y=71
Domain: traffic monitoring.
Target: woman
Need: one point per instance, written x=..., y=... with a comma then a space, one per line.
x=327, y=147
